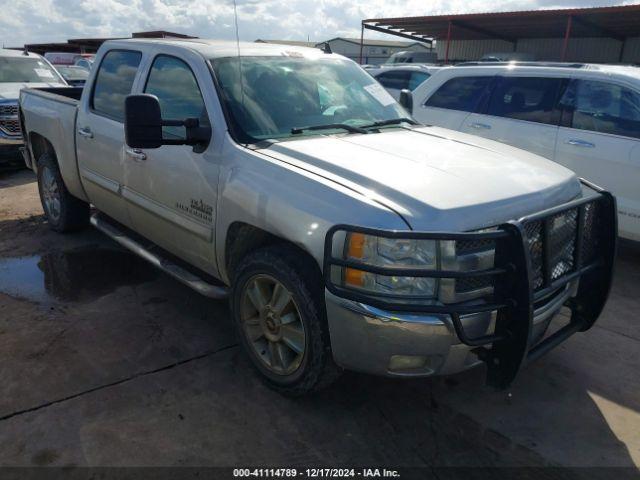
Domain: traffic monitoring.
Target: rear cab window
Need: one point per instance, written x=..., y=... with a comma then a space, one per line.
x=113, y=83
x=461, y=93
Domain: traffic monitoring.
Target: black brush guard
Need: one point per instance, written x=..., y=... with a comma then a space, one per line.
x=517, y=286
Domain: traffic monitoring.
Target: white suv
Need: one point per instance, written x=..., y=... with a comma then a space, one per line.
x=586, y=117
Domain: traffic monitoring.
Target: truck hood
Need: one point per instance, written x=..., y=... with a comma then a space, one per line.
x=11, y=90
x=436, y=179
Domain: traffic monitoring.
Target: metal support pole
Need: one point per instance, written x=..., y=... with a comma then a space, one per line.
x=361, y=40
x=567, y=35
x=446, y=53
x=621, y=57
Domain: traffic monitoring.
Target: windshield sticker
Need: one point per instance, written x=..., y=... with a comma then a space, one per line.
x=43, y=73
x=378, y=92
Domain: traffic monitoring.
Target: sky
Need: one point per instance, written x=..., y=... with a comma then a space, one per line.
x=38, y=21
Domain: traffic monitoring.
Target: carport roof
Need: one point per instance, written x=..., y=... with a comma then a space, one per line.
x=614, y=22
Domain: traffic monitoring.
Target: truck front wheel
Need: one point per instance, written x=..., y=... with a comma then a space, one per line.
x=278, y=310
x=64, y=212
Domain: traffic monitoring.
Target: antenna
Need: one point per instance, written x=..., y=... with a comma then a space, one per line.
x=235, y=16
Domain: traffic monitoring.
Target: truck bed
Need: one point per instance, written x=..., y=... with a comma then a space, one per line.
x=57, y=93
x=49, y=118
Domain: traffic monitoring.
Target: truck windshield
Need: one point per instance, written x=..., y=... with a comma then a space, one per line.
x=26, y=70
x=281, y=97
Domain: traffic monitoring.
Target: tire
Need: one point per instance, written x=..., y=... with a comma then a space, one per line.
x=283, y=367
x=64, y=212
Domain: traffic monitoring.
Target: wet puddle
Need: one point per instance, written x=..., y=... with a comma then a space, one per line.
x=80, y=274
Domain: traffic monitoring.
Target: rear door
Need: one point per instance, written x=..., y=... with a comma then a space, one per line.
x=600, y=140
x=100, y=132
x=521, y=111
x=452, y=102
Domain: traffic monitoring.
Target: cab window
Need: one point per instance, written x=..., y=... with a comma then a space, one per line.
x=602, y=107
x=462, y=93
x=173, y=82
x=525, y=98
x=113, y=83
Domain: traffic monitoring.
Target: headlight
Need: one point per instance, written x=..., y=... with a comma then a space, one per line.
x=417, y=254
x=391, y=253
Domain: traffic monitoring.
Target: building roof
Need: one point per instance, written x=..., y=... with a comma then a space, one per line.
x=373, y=42
x=91, y=45
x=615, y=22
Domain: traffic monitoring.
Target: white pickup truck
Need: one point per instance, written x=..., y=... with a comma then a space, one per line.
x=345, y=234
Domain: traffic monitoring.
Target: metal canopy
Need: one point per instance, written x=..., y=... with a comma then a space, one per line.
x=618, y=23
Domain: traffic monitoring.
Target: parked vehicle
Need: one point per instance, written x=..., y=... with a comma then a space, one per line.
x=398, y=78
x=345, y=235
x=508, y=57
x=18, y=70
x=85, y=61
x=73, y=75
x=412, y=56
x=585, y=117
x=70, y=58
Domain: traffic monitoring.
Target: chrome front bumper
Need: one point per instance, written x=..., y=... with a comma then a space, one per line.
x=398, y=344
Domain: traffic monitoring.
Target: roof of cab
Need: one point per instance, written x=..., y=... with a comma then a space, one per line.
x=223, y=48
x=8, y=52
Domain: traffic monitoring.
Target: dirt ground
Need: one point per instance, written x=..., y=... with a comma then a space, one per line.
x=106, y=362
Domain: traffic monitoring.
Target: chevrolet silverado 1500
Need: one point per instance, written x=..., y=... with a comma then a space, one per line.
x=345, y=234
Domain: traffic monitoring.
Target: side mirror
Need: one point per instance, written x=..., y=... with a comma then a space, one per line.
x=406, y=100
x=142, y=121
x=143, y=125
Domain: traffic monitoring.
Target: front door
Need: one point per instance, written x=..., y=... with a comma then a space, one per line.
x=100, y=132
x=171, y=191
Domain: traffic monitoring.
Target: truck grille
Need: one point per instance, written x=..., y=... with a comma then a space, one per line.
x=554, y=244
x=9, y=122
x=554, y=247
x=9, y=110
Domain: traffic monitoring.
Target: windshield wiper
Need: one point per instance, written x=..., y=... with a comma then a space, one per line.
x=393, y=121
x=329, y=126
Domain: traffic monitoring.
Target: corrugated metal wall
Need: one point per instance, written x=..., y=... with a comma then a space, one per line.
x=594, y=50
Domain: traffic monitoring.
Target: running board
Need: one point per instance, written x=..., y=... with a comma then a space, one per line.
x=182, y=275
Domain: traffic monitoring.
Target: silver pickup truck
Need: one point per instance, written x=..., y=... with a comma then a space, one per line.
x=345, y=234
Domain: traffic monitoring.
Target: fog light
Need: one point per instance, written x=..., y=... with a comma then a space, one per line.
x=407, y=362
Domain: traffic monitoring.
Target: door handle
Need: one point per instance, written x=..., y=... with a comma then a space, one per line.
x=580, y=143
x=85, y=132
x=480, y=126
x=136, y=154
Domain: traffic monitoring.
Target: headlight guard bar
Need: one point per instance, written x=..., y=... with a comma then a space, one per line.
x=509, y=346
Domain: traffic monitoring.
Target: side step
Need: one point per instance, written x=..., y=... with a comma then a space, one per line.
x=179, y=273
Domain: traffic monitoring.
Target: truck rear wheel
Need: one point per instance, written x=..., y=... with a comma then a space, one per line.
x=64, y=212
x=279, y=315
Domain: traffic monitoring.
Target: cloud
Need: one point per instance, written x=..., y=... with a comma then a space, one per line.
x=35, y=21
